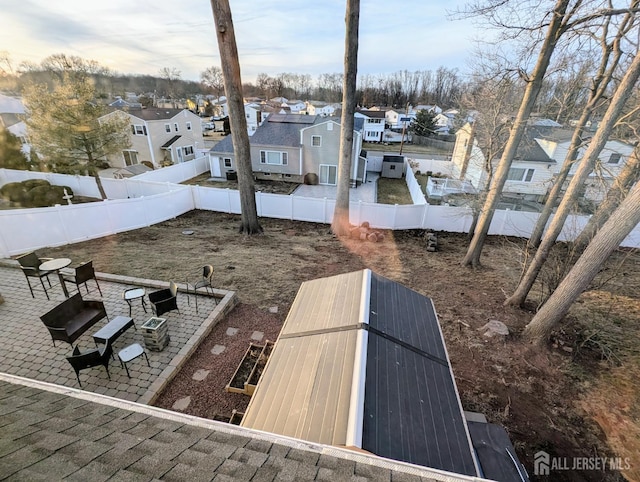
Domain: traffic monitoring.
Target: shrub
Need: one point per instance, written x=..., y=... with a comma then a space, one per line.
x=34, y=193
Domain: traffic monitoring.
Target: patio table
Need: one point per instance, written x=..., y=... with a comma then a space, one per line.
x=56, y=265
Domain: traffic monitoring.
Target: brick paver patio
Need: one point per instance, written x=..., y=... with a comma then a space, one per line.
x=27, y=350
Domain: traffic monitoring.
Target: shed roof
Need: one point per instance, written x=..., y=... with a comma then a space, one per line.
x=361, y=362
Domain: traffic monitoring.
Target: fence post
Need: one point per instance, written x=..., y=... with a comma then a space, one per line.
x=324, y=211
x=62, y=223
x=229, y=200
x=291, y=203
x=259, y=203
x=423, y=221
x=4, y=247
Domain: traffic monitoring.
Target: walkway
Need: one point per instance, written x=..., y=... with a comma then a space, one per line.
x=366, y=192
x=27, y=349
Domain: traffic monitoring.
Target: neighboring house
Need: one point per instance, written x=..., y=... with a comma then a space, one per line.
x=322, y=109
x=160, y=136
x=374, y=122
x=539, y=157
x=11, y=112
x=255, y=115
x=443, y=123
x=399, y=118
x=293, y=147
x=296, y=106
x=120, y=103
x=530, y=174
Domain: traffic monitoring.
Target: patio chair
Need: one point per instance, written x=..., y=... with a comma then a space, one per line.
x=91, y=358
x=30, y=264
x=164, y=300
x=202, y=280
x=81, y=275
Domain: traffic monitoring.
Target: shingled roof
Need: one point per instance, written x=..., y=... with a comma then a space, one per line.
x=51, y=432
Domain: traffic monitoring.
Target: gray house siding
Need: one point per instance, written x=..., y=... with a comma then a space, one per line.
x=328, y=153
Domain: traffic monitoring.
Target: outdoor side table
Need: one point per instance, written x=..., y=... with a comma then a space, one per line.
x=131, y=353
x=112, y=330
x=132, y=294
x=56, y=265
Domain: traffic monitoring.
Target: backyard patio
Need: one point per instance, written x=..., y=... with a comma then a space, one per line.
x=28, y=351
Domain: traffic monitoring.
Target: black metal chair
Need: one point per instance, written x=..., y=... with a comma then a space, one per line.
x=30, y=264
x=165, y=300
x=91, y=358
x=81, y=275
x=204, y=280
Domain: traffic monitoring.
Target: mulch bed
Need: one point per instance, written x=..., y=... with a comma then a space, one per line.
x=209, y=399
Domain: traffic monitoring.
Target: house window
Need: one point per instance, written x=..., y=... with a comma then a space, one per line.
x=372, y=134
x=188, y=126
x=188, y=150
x=139, y=130
x=273, y=157
x=130, y=157
x=614, y=158
x=392, y=167
x=175, y=127
x=316, y=141
x=227, y=162
x=519, y=174
x=167, y=128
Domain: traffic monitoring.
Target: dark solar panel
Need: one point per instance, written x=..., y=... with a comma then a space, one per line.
x=411, y=409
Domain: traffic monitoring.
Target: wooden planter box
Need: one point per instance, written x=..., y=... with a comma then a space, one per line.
x=254, y=377
x=155, y=332
x=243, y=372
x=236, y=417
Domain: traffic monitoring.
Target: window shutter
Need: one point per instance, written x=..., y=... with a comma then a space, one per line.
x=144, y=129
x=284, y=159
x=263, y=157
x=133, y=130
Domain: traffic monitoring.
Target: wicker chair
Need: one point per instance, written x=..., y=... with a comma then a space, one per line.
x=91, y=358
x=165, y=300
x=30, y=264
x=81, y=275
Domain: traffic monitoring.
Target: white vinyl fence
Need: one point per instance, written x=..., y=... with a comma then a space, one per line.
x=178, y=172
x=142, y=203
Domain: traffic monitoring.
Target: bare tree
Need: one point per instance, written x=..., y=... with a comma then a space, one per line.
x=622, y=93
x=613, y=232
x=340, y=223
x=555, y=28
x=233, y=89
x=212, y=77
x=611, y=53
x=171, y=76
x=627, y=178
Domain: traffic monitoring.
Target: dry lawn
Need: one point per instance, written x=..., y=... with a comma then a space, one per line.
x=577, y=397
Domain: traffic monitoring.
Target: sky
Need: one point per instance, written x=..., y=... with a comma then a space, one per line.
x=298, y=36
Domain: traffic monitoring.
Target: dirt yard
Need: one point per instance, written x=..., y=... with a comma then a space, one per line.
x=578, y=397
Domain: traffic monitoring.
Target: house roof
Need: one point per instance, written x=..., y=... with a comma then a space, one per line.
x=10, y=105
x=374, y=114
x=9, y=119
x=361, y=362
x=53, y=432
x=154, y=113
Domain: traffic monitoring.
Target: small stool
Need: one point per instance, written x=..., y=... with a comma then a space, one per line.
x=130, y=353
x=134, y=293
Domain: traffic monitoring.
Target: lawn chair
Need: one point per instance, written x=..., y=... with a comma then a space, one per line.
x=203, y=280
x=91, y=358
x=81, y=275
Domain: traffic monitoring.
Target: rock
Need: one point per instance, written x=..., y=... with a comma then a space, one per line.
x=380, y=237
x=372, y=237
x=363, y=236
x=495, y=327
x=364, y=224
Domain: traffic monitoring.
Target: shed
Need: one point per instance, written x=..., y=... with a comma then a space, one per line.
x=393, y=166
x=361, y=363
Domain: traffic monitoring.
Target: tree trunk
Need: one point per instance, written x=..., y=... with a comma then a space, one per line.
x=598, y=89
x=340, y=223
x=561, y=177
x=238, y=122
x=92, y=167
x=622, y=93
x=472, y=258
x=613, y=232
x=629, y=175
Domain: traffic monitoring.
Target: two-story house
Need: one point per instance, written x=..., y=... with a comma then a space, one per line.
x=160, y=137
x=293, y=147
x=374, y=122
x=11, y=115
x=539, y=157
